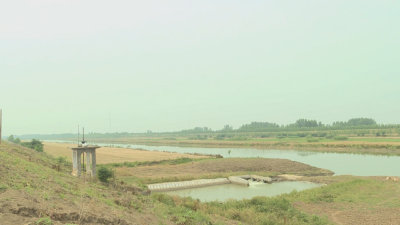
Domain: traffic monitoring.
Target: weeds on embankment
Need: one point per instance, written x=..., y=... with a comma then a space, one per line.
x=258, y=210
x=349, y=193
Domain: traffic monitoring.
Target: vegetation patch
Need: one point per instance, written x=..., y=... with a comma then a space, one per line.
x=341, y=138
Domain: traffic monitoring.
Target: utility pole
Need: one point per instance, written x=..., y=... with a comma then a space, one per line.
x=0, y=124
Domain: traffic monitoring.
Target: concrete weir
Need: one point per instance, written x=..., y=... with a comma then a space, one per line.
x=241, y=180
x=238, y=180
x=186, y=184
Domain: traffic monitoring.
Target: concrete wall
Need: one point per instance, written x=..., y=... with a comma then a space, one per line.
x=187, y=184
x=238, y=180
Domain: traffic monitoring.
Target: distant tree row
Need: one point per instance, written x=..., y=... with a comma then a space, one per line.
x=300, y=125
x=309, y=125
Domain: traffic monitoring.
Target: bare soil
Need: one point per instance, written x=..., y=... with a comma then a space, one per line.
x=230, y=166
x=105, y=155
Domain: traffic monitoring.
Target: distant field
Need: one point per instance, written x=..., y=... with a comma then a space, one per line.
x=106, y=155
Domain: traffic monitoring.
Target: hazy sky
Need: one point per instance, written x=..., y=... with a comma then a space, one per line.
x=171, y=65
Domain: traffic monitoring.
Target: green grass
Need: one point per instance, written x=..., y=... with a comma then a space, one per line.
x=373, y=139
x=177, y=161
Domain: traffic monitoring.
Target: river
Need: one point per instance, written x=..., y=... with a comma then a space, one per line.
x=340, y=163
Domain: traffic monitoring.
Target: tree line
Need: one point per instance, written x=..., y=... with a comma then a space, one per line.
x=300, y=125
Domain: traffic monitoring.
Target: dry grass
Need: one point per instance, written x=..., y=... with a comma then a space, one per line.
x=115, y=155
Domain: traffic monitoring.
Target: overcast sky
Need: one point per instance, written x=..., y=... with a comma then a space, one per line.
x=172, y=65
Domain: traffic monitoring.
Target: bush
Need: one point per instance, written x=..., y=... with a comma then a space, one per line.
x=61, y=160
x=104, y=173
x=341, y=138
x=34, y=144
x=329, y=136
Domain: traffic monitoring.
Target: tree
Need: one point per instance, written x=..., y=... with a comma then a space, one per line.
x=11, y=138
x=307, y=123
x=17, y=140
x=361, y=122
x=227, y=128
x=34, y=144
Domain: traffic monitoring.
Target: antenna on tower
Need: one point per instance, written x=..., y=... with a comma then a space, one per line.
x=78, y=135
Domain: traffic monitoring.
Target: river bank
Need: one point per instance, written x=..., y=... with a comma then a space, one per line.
x=354, y=146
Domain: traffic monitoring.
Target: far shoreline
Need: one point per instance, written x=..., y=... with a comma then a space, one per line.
x=344, y=147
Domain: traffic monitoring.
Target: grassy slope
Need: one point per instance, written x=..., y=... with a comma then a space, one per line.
x=30, y=190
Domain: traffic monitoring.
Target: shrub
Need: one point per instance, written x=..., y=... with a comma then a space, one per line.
x=329, y=136
x=341, y=138
x=34, y=144
x=312, y=140
x=104, y=173
x=61, y=160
